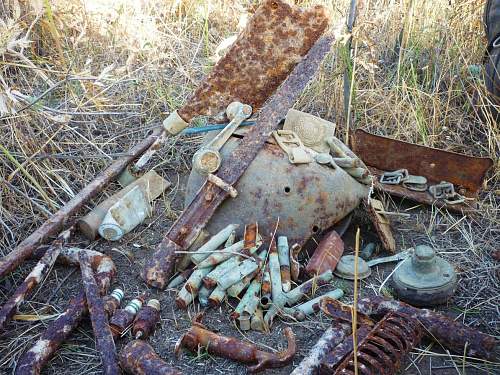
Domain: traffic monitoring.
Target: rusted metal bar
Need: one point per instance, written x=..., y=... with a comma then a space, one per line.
x=123, y=318
x=236, y=350
x=385, y=154
x=57, y=221
x=146, y=320
x=103, y=339
x=327, y=254
x=449, y=333
x=159, y=268
x=139, y=358
x=34, y=278
x=32, y=362
x=332, y=337
x=382, y=350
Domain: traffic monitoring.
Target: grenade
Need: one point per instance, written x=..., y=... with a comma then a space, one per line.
x=112, y=302
x=124, y=317
x=146, y=319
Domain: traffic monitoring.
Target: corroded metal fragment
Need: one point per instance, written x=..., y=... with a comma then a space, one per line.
x=332, y=337
x=112, y=302
x=326, y=255
x=159, y=268
x=385, y=154
x=449, y=333
x=139, y=358
x=104, y=340
x=146, y=320
x=237, y=350
x=32, y=362
x=33, y=279
x=57, y=221
x=122, y=318
x=276, y=38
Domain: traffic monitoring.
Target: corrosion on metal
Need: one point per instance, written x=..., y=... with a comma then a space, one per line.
x=104, y=342
x=34, y=278
x=326, y=255
x=451, y=334
x=332, y=337
x=32, y=362
x=139, y=358
x=385, y=154
x=382, y=350
x=276, y=38
x=123, y=318
x=146, y=320
x=112, y=302
x=236, y=350
x=381, y=223
x=343, y=313
x=160, y=266
x=57, y=221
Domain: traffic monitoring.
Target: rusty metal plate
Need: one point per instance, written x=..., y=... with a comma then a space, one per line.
x=274, y=41
x=385, y=154
x=159, y=268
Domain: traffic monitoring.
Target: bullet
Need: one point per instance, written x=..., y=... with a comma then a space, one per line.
x=146, y=320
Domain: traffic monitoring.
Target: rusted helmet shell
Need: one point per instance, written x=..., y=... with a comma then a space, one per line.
x=307, y=198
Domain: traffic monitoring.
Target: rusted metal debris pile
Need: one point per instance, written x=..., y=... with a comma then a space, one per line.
x=313, y=182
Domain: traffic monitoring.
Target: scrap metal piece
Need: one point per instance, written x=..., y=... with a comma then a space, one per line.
x=291, y=144
x=381, y=223
x=207, y=159
x=146, y=320
x=326, y=255
x=104, y=342
x=220, y=183
x=203, y=295
x=234, y=349
x=57, y=221
x=314, y=305
x=279, y=299
x=151, y=184
x=442, y=190
x=274, y=41
x=159, y=268
x=332, y=337
x=181, y=278
x=284, y=259
x=344, y=313
x=395, y=177
x=112, y=301
x=415, y=183
x=386, y=154
x=382, y=350
x=449, y=333
x=123, y=318
x=34, y=278
x=139, y=358
x=32, y=361
x=257, y=323
x=250, y=300
x=218, y=295
x=213, y=243
x=309, y=287
x=294, y=262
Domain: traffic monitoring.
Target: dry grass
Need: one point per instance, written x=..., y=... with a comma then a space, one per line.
x=81, y=80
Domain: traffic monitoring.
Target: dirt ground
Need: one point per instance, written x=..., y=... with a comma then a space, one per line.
x=78, y=355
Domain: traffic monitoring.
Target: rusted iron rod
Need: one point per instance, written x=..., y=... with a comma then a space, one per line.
x=103, y=339
x=57, y=221
x=449, y=333
x=160, y=266
x=332, y=337
x=32, y=362
x=237, y=350
x=139, y=358
x=34, y=278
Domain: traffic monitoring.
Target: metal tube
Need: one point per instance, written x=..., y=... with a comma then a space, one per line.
x=249, y=301
x=314, y=305
x=193, y=284
x=296, y=294
x=279, y=298
x=217, y=296
x=180, y=278
x=146, y=320
x=284, y=259
x=232, y=277
x=218, y=257
x=235, y=289
x=203, y=294
x=213, y=243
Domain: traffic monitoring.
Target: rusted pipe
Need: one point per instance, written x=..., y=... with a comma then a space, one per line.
x=449, y=333
x=33, y=279
x=57, y=221
x=236, y=350
x=139, y=358
x=146, y=320
x=104, y=343
x=332, y=337
x=32, y=362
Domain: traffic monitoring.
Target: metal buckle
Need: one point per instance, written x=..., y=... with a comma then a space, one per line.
x=415, y=183
x=395, y=177
x=455, y=198
x=293, y=146
x=442, y=190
